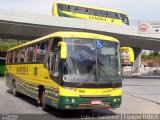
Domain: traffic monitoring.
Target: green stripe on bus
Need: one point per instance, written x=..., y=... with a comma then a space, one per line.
x=60, y=13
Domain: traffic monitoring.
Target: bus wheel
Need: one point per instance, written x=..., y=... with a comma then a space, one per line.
x=45, y=107
x=39, y=101
x=15, y=93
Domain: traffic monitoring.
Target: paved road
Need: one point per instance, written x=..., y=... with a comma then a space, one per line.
x=139, y=96
x=146, y=88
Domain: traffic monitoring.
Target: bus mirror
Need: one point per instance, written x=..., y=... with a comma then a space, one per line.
x=63, y=51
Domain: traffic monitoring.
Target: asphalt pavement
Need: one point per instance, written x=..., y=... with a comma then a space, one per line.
x=140, y=96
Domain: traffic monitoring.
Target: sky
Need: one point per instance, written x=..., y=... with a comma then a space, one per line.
x=144, y=10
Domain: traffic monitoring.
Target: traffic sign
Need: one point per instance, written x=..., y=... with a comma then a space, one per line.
x=143, y=28
x=149, y=27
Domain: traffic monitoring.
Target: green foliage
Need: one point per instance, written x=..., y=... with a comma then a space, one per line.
x=152, y=56
x=4, y=45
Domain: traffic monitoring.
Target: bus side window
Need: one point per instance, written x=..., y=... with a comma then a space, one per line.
x=15, y=59
x=72, y=8
x=63, y=7
x=103, y=13
x=60, y=6
x=110, y=14
x=8, y=55
x=38, y=51
x=26, y=55
x=32, y=50
x=22, y=55
x=81, y=10
x=17, y=55
x=106, y=14
x=41, y=50
x=14, y=55
x=87, y=11
x=76, y=9
x=93, y=12
x=99, y=13
x=68, y=8
x=113, y=15
x=56, y=63
x=11, y=57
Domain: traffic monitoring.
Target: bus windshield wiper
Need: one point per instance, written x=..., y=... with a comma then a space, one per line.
x=88, y=78
x=100, y=67
x=105, y=74
x=96, y=68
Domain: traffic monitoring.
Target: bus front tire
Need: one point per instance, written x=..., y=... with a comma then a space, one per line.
x=15, y=93
x=45, y=107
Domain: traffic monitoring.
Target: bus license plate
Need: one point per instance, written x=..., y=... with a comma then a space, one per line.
x=96, y=102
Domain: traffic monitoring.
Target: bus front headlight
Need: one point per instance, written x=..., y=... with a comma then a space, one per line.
x=114, y=100
x=67, y=99
x=73, y=101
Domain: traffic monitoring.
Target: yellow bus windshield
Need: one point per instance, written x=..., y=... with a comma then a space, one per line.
x=96, y=61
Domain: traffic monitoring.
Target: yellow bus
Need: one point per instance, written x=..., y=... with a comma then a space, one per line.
x=127, y=54
x=67, y=70
x=86, y=12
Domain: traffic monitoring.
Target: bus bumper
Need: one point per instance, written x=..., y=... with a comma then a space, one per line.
x=86, y=103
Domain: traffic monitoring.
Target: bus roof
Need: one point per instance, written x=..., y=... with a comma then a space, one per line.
x=68, y=35
x=97, y=8
x=126, y=49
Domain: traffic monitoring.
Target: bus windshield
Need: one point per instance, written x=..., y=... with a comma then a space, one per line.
x=124, y=18
x=91, y=60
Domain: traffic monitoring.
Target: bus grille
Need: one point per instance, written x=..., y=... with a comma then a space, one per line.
x=89, y=105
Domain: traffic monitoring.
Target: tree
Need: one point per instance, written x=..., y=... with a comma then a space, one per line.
x=6, y=44
x=155, y=55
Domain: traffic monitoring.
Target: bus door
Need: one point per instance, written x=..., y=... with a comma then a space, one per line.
x=53, y=63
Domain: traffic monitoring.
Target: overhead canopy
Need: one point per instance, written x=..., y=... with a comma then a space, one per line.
x=29, y=26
